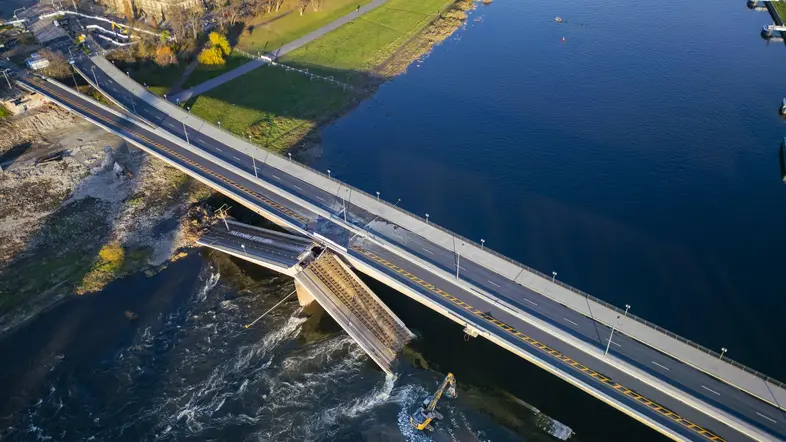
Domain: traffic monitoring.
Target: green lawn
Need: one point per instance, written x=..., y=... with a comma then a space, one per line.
x=270, y=32
x=275, y=107
x=362, y=45
x=780, y=8
x=205, y=72
x=158, y=78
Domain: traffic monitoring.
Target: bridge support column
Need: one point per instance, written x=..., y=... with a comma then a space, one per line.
x=303, y=296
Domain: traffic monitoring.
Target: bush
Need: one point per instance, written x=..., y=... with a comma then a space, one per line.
x=211, y=56
x=219, y=41
x=165, y=56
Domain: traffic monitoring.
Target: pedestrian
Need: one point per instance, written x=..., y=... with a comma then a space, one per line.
x=357, y=9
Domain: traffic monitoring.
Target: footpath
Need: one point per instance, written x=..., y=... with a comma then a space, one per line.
x=261, y=61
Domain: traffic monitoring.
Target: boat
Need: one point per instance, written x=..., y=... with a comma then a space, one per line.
x=558, y=19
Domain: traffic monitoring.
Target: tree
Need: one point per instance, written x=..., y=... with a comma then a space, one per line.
x=316, y=4
x=165, y=56
x=211, y=56
x=58, y=65
x=178, y=22
x=219, y=41
x=302, y=5
x=164, y=37
x=194, y=19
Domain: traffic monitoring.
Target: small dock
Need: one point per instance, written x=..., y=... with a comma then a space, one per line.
x=355, y=307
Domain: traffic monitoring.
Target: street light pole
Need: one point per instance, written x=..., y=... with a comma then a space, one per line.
x=243, y=246
x=328, y=174
x=553, y=276
x=723, y=351
x=290, y=157
x=611, y=335
x=93, y=70
x=482, y=243
x=377, y=196
x=627, y=307
x=458, y=264
x=427, y=218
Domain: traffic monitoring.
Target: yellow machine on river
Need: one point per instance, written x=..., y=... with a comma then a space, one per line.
x=427, y=412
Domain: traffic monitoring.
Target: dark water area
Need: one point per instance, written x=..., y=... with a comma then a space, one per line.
x=643, y=167
x=638, y=158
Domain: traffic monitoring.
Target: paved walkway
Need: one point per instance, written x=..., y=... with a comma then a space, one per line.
x=768, y=390
x=289, y=47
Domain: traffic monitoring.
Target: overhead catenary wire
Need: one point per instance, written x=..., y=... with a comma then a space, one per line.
x=270, y=310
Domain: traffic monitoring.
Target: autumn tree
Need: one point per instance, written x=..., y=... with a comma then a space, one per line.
x=316, y=4
x=219, y=41
x=178, y=22
x=302, y=5
x=211, y=56
x=165, y=56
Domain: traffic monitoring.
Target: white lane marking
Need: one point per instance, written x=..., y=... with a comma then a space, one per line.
x=219, y=149
x=710, y=390
x=768, y=418
x=570, y=321
x=276, y=177
x=236, y=158
x=398, y=236
x=616, y=344
x=320, y=198
x=298, y=188
x=533, y=303
x=661, y=366
x=492, y=282
x=428, y=250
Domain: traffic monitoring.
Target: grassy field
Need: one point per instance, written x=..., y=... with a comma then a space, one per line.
x=203, y=72
x=158, y=78
x=270, y=32
x=364, y=44
x=278, y=109
x=780, y=8
x=272, y=106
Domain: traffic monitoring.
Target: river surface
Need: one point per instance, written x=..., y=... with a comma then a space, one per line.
x=638, y=158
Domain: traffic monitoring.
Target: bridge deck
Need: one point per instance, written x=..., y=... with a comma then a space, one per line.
x=283, y=186
x=355, y=307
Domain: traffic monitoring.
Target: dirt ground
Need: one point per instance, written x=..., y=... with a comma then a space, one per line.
x=59, y=216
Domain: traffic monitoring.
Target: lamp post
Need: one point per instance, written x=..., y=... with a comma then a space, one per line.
x=189, y=109
x=290, y=157
x=397, y=201
x=329, y=177
x=244, y=249
x=482, y=243
x=427, y=218
x=723, y=352
x=611, y=335
x=458, y=264
x=377, y=196
x=553, y=276
x=5, y=74
x=627, y=307
x=93, y=70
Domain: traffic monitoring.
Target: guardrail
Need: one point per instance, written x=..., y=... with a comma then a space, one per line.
x=524, y=267
x=541, y=274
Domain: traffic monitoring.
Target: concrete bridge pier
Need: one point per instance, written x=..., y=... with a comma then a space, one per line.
x=304, y=297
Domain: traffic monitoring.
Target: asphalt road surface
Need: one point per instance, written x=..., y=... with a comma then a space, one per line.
x=723, y=396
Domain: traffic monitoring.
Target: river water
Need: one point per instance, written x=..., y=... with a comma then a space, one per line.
x=638, y=158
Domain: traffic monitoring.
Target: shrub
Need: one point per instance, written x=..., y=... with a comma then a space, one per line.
x=211, y=56
x=219, y=41
x=165, y=56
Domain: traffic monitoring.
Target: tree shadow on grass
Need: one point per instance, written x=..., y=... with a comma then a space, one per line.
x=278, y=108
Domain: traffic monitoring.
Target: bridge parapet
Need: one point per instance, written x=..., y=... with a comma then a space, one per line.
x=689, y=352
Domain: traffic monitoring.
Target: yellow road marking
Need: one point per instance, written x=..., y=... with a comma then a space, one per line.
x=544, y=348
x=264, y=199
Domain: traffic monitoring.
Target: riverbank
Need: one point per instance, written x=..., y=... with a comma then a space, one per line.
x=285, y=111
x=101, y=212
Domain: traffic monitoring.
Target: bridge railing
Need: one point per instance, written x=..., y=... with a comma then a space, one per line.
x=521, y=266
x=638, y=319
